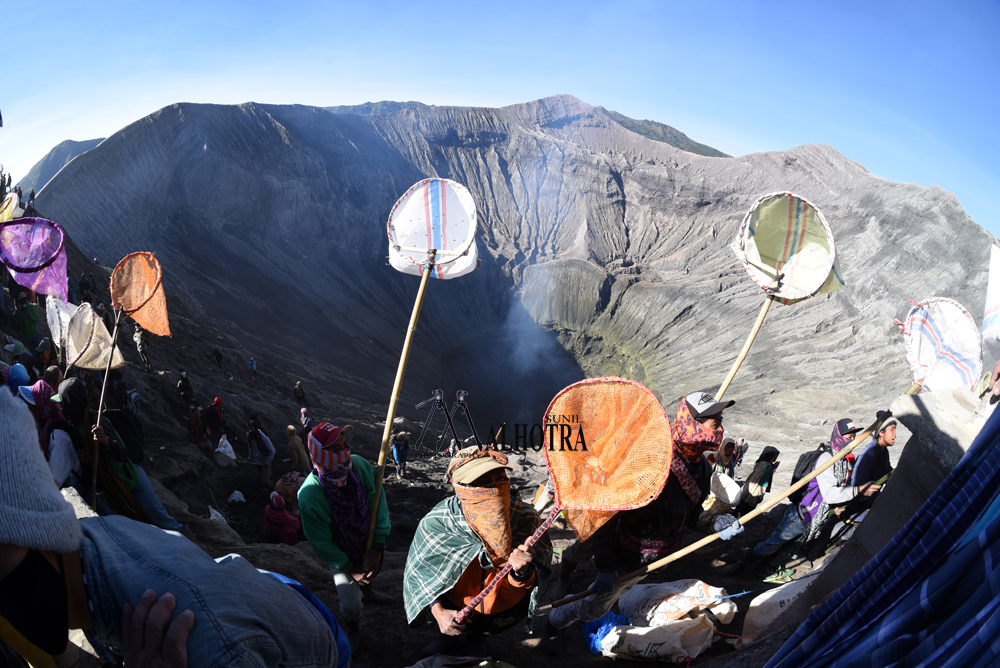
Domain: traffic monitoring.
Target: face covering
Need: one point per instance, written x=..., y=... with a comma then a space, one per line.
x=33, y=599
x=487, y=510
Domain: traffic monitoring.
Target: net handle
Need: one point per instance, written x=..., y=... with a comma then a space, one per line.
x=156, y=286
x=542, y=528
x=25, y=270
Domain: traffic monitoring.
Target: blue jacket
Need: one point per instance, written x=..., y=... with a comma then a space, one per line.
x=243, y=617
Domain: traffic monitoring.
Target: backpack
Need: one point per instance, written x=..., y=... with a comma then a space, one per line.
x=804, y=465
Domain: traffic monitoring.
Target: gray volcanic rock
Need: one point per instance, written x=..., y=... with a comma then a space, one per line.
x=60, y=155
x=604, y=253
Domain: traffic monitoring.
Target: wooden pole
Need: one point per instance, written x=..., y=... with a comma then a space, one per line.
x=100, y=408
x=746, y=348
x=756, y=512
x=391, y=415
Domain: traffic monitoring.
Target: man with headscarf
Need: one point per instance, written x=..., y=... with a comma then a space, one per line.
x=461, y=545
x=759, y=482
x=125, y=484
x=725, y=458
x=279, y=524
x=213, y=418
x=634, y=537
x=335, y=507
x=829, y=488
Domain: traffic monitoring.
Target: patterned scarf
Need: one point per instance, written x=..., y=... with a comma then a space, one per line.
x=344, y=491
x=46, y=411
x=691, y=441
x=487, y=510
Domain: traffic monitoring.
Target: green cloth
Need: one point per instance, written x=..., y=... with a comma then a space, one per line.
x=314, y=511
x=27, y=320
x=444, y=545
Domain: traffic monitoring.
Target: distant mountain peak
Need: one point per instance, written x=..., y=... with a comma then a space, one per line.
x=375, y=108
x=60, y=155
x=661, y=132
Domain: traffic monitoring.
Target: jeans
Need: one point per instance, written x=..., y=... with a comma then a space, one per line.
x=593, y=607
x=242, y=617
x=791, y=527
x=151, y=506
x=349, y=592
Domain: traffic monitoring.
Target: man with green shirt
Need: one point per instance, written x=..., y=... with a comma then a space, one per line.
x=334, y=506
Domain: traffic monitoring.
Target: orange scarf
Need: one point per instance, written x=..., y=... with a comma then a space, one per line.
x=487, y=510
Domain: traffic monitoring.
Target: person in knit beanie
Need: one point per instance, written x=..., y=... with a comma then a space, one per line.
x=58, y=573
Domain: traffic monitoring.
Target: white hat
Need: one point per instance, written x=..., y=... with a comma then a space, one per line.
x=33, y=514
x=704, y=404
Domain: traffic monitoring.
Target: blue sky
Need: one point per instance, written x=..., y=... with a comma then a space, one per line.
x=911, y=90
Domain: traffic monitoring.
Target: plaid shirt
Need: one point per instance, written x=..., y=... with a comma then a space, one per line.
x=444, y=545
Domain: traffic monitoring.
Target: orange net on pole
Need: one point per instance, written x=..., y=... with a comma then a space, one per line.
x=622, y=459
x=137, y=289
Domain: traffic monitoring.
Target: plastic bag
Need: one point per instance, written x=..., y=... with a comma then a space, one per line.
x=237, y=497
x=596, y=630
x=215, y=515
x=224, y=454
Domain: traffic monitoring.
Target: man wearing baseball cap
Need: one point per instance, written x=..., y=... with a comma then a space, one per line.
x=58, y=573
x=830, y=488
x=462, y=544
x=335, y=507
x=643, y=535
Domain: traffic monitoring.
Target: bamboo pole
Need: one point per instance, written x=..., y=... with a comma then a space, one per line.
x=756, y=512
x=100, y=408
x=391, y=415
x=746, y=347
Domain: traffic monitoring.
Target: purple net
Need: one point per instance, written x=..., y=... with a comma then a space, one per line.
x=34, y=252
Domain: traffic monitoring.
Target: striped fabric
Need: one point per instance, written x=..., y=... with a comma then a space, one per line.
x=943, y=345
x=931, y=597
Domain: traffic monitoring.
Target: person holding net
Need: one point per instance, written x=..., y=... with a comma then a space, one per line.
x=459, y=549
x=635, y=537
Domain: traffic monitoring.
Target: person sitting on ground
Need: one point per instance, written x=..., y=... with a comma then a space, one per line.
x=261, y=450
x=141, y=342
x=334, y=504
x=17, y=376
x=300, y=394
x=126, y=486
x=300, y=460
x=461, y=545
x=184, y=388
x=58, y=573
x=759, y=482
x=634, y=537
x=306, y=423
x=279, y=524
x=27, y=321
x=400, y=450
x=874, y=464
x=725, y=458
x=829, y=488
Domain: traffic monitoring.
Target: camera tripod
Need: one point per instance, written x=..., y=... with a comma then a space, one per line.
x=437, y=397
